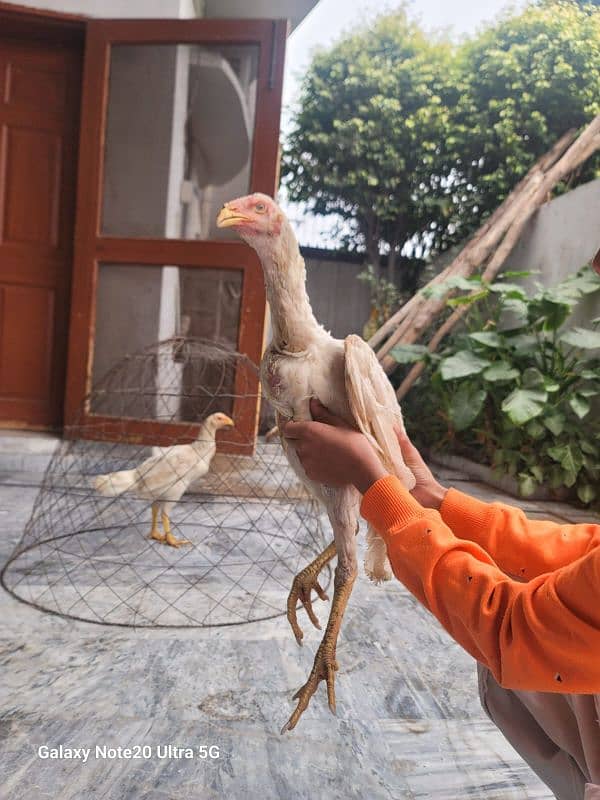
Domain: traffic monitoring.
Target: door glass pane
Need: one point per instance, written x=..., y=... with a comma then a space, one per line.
x=139, y=306
x=179, y=137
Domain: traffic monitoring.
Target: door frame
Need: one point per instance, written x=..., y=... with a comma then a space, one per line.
x=93, y=248
x=33, y=24
x=35, y=27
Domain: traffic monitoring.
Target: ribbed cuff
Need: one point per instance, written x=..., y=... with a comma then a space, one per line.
x=463, y=513
x=387, y=504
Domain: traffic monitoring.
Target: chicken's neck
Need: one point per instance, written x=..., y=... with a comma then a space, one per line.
x=205, y=438
x=292, y=318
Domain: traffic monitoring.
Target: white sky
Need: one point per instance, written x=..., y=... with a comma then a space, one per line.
x=331, y=18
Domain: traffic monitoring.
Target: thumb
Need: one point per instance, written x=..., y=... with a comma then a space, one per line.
x=410, y=454
x=320, y=413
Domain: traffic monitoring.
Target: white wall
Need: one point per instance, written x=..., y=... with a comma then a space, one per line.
x=139, y=140
x=127, y=301
x=117, y=8
x=562, y=237
x=141, y=159
x=294, y=10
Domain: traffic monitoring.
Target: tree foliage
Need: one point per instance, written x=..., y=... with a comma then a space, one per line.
x=416, y=140
x=522, y=83
x=365, y=138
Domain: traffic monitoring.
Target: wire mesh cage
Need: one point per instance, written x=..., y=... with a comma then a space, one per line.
x=87, y=551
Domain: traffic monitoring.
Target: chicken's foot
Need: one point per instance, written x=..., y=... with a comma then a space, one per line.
x=303, y=584
x=171, y=540
x=166, y=537
x=325, y=664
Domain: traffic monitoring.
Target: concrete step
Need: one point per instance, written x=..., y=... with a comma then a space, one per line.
x=26, y=451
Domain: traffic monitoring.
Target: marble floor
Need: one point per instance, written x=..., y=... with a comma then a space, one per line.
x=408, y=723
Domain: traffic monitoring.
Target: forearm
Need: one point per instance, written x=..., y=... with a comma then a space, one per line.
x=519, y=546
x=526, y=633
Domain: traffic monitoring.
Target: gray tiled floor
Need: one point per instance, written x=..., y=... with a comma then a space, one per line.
x=408, y=725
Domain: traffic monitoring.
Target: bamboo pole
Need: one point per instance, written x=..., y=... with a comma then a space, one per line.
x=412, y=329
x=476, y=252
x=532, y=198
x=479, y=245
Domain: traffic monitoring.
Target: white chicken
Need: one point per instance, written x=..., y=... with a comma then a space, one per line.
x=166, y=476
x=305, y=361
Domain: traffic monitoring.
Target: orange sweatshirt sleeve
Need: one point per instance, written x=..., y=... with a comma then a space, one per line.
x=543, y=635
x=519, y=546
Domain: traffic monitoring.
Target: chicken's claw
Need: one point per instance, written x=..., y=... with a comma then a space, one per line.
x=325, y=664
x=173, y=542
x=303, y=584
x=168, y=538
x=324, y=668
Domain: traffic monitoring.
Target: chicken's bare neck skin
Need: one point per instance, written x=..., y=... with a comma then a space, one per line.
x=294, y=324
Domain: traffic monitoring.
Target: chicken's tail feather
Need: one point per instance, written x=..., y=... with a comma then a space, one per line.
x=377, y=565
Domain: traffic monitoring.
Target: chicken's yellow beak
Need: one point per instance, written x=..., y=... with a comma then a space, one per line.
x=228, y=422
x=228, y=217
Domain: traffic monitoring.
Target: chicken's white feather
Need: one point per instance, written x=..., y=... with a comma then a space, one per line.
x=305, y=361
x=169, y=471
x=378, y=416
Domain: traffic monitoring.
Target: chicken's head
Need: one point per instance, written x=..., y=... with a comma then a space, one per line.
x=219, y=420
x=254, y=217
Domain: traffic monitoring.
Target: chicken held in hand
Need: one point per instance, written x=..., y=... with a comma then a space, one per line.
x=304, y=361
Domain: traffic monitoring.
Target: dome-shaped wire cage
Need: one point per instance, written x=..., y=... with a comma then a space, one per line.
x=250, y=524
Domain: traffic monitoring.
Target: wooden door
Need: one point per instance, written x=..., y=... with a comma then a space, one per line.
x=39, y=113
x=133, y=167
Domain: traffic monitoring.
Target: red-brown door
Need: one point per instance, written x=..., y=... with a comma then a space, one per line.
x=39, y=119
x=168, y=105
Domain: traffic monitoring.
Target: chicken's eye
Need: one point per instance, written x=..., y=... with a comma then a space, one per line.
x=260, y=207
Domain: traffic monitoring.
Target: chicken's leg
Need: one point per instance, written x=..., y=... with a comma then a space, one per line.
x=155, y=533
x=325, y=664
x=303, y=584
x=166, y=537
x=169, y=538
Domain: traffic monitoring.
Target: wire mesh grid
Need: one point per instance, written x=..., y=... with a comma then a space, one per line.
x=249, y=521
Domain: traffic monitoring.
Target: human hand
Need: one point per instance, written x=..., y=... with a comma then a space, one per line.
x=427, y=491
x=331, y=452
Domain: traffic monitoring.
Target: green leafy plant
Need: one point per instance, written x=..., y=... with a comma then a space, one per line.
x=516, y=388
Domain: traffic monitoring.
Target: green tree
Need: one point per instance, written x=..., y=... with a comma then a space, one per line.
x=365, y=139
x=415, y=141
x=523, y=82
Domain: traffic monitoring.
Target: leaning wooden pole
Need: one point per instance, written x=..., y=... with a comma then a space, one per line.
x=413, y=329
x=477, y=248
x=490, y=246
x=581, y=149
